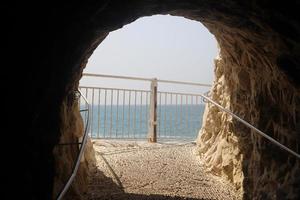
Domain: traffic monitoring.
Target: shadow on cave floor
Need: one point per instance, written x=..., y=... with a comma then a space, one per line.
x=104, y=187
x=141, y=170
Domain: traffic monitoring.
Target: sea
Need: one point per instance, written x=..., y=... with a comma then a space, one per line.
x=179, y=122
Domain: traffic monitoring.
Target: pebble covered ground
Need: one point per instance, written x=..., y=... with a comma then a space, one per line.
x=141, y=170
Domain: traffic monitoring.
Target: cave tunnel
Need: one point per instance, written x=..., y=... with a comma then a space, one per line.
x=257, y=77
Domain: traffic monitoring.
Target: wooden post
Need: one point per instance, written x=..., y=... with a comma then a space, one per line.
x=152, y=124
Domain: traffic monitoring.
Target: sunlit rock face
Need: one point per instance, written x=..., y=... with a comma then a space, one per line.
x=250, y=82
x=257, y=77
x=66, y=155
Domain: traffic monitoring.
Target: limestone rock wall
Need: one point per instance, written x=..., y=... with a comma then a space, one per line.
x=66, y=155
x=260, y=45
x=249, y=83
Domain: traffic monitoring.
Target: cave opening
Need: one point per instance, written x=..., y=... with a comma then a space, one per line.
x=241, y=86
x=162, y=46
x=256, y=76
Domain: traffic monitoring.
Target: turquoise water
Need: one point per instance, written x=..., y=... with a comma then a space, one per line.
x=132, y=122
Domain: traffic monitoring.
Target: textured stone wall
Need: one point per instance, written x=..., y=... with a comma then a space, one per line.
x=252, y=80
x=257, y=76
x=249, y=83
x=66, y=155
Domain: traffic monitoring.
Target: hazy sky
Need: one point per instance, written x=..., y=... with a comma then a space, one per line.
x=161, y=46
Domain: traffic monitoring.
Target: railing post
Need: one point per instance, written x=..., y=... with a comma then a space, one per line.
x=152, y=125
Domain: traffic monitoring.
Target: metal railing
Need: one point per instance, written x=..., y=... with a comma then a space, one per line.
x=146, y=79
x=116, y=112
x=157, y=115
x=130, y=113
x=195, y=97
x=81, y=148
x=179, y=114
x=252, y=127
x=123, y=113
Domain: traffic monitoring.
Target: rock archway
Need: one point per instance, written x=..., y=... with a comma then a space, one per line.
x=257, y=76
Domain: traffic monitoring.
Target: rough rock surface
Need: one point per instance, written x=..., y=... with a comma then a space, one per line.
x=141, y=170
x=257, y=76
x=253, y=79
x=66, y=155
x=249, y=83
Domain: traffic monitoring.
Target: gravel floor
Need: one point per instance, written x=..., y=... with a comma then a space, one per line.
x=140, y=170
